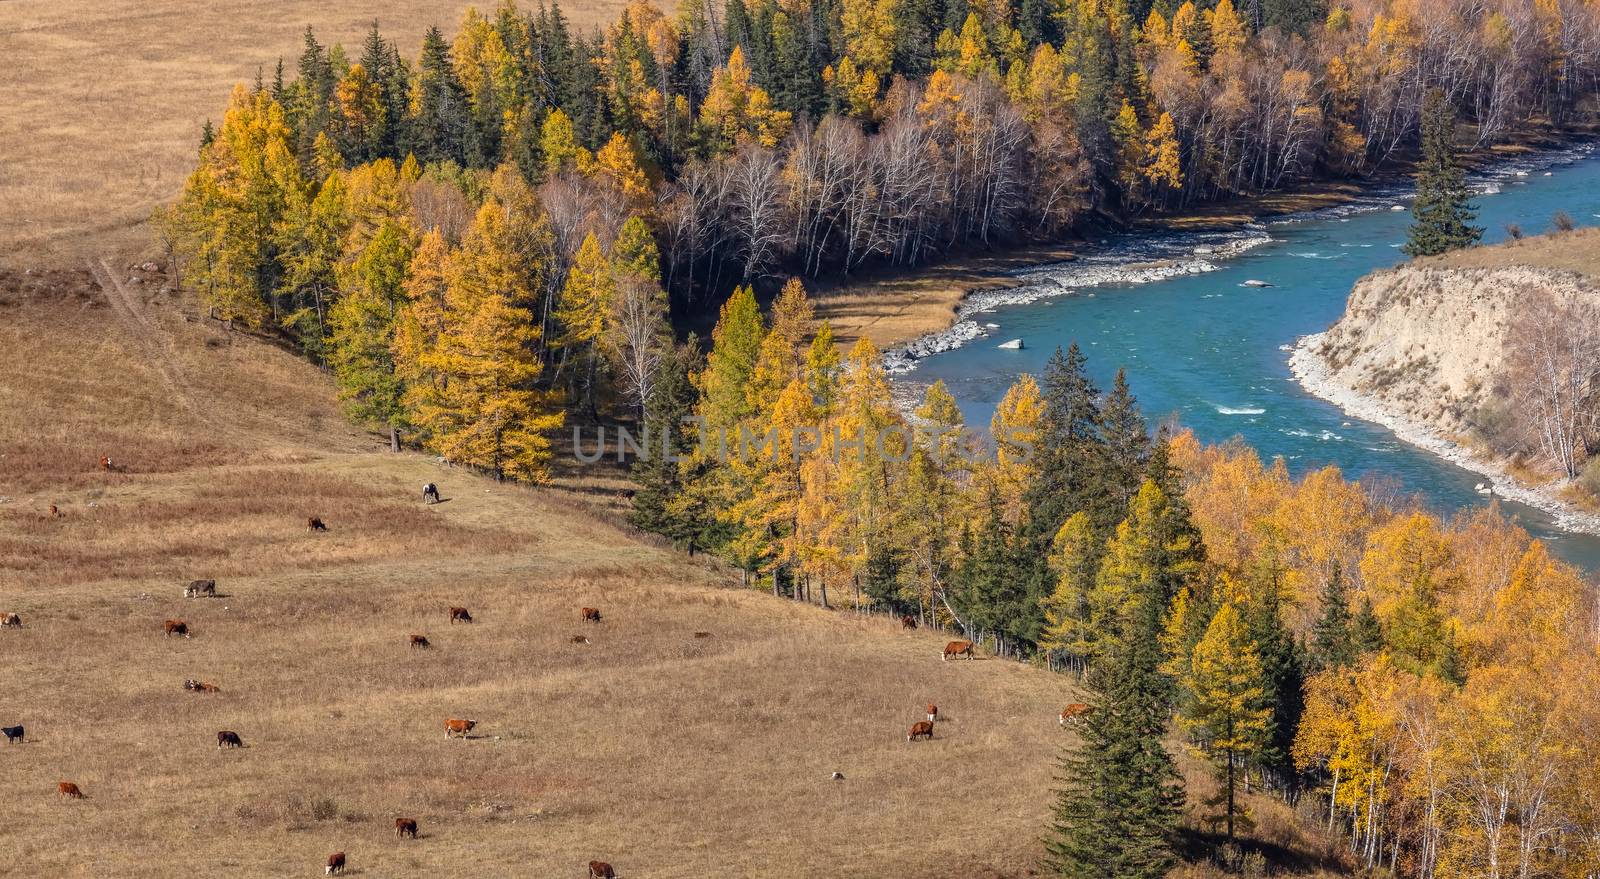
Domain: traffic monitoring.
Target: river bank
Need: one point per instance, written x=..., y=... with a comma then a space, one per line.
x=1315, y=375
x=914, y=312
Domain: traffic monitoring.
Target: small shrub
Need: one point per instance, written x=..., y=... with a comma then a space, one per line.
x=1563, y=222
x=1515, y=231
x=324, y=809
x=1589, y=478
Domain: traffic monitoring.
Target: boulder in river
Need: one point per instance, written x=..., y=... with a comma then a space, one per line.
x=1013, y=345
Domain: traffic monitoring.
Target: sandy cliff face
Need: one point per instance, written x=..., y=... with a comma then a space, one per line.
x=1428, y=343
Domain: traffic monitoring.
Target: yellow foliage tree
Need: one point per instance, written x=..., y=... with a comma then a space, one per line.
x=486, y=411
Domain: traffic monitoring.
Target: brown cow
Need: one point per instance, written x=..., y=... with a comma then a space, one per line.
x=315, y=524
x=105, y=463
x=55, y=512
x=920, y=728
x=229, y=739
x=10, y=621
x=957, y=648
x=591, y=614
x=175, y=627
x=601, y=870
x=195, y=686
x=335, y=864
x=454, y=727
x=404, y=827
x=1073, y=712
x=420, y=641
x=908, y=622
x=933, y=712
x=459, y=615
x=68, y=790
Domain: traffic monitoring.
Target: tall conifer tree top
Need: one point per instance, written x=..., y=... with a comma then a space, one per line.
x=1443, y=214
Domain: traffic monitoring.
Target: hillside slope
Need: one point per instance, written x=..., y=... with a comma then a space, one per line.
x=666, y=754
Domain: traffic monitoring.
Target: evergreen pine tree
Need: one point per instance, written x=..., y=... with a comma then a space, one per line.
x=1116, y=813
x=439, y=131
x=737, y=25
x=1282, y=677
x=1443, y=215
x=1366, y=632
x=1127, y=438
x=917, y=26
x=1293, y=16
x=1332, y=640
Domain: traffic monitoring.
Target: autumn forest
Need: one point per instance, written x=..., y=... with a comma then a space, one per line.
x=520, y=229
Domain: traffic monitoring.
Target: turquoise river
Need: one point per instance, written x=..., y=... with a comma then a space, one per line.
x=1200, y=347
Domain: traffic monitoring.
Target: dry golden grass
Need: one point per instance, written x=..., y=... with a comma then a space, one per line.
x=1575, y=251
x=102, y=101
x=665, y=754
x=892, y=306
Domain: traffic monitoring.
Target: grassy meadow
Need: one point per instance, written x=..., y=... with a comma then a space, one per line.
x=665, y=754
x=102, y=101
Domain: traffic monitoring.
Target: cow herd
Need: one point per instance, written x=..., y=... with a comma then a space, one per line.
x=406, y=828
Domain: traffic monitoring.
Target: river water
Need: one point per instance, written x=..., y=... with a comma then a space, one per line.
x=1199, y=346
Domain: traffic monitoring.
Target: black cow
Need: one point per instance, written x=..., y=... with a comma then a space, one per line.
x=229, y=739
x=14, y=734
x=430, y=493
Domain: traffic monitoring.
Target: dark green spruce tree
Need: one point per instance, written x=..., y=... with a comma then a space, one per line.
x=1283, y=673
x=443, y=112
x=1443, y=213
x=1366, y=632
x=1117, y=810
x=1332, y=645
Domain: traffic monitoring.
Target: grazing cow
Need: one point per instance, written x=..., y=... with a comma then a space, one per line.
x=14, y=734
x=957, y=648
x=229, y=739
x=921, y=728
x=430, y=493
x=601, y=870
x=68, y=790
x=105, y=463
x=335, y=864
x=591, y=614
x=580, y=639
x=908, y=622
x=175, y=627
x=404, y=827
x=10, y=621
x=200, y=589
x=454, y=727
x=420, y=641
x=315, y=524
x=1073, y=712
x=195, y=686
x=459, y=615
x=933, y=713
x=55, y=512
